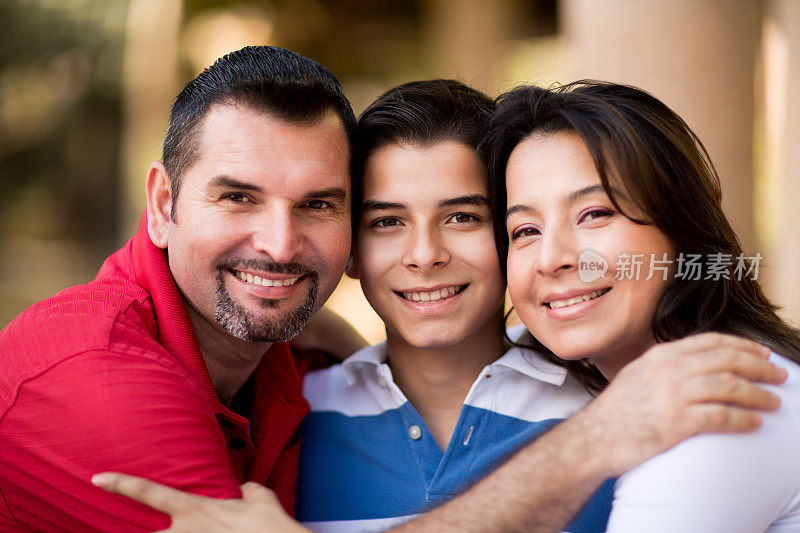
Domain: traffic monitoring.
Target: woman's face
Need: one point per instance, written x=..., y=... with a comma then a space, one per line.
x=563, y=229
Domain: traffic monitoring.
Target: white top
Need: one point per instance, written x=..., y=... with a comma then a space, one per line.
x=368, y=461
x=720, y=482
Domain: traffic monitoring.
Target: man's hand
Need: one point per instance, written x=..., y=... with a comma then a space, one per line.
x=699, y=384
x=258, y=511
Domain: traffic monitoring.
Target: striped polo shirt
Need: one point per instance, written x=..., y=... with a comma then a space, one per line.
x=368, y=461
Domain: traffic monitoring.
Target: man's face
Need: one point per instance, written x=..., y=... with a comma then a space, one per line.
x=262, y=227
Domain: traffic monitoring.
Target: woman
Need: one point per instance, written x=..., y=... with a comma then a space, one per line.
x=595, y=174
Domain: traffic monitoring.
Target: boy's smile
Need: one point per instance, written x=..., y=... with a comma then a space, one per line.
x=425, y=250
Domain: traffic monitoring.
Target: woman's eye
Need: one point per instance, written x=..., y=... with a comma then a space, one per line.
x=595, y=214
x=462, y=218
x=525, y=231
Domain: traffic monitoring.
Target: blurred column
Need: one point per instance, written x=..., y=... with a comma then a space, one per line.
x=150, y=83
x=782, y=157
x=465, y=38
x=699, y=58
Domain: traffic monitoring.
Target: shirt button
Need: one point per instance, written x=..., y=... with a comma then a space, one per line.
x=383, y=384
x=237, y=444
x=415, y=432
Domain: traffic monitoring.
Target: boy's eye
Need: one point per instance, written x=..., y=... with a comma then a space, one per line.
x=462, y=218
x=386, y=222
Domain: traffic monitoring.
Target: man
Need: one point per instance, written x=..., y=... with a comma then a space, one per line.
x=146, y=369
x=157, y=368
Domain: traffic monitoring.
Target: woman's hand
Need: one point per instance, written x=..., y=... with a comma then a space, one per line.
x=258, y=511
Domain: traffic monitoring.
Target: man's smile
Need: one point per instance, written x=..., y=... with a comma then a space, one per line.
x=264, y=281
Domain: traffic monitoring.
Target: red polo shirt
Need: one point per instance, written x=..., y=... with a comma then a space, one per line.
x=108, y=376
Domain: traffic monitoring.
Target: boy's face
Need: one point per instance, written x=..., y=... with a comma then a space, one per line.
x=425, y=251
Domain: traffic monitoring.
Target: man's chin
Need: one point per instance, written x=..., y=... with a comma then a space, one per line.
x=253, y=326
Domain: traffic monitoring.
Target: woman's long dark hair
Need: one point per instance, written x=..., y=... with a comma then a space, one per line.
x=666, y=171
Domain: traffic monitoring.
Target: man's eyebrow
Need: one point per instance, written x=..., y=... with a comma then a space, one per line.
x=478, y=200
x=377, y=205
x=331, y=193
x=228, y=182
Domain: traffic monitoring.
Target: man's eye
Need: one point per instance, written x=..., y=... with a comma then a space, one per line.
x=237, y=198
x=318, y=204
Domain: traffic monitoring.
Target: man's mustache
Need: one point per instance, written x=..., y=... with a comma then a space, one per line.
x=294, y=269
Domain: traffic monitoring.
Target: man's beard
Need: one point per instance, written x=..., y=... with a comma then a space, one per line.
x=242, y=324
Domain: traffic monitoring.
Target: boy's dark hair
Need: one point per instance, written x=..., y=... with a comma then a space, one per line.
x=265, y=78
x=421, y=113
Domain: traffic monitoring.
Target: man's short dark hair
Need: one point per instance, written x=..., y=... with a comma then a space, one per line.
x=269, y=79
x=420, y=113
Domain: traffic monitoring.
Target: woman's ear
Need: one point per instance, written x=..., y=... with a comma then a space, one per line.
x=352, y=266
x=158, y=190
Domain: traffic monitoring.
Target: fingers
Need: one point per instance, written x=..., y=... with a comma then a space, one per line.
x=741, y=363
x=254, y=492
x=727, y=388
x=714, y=341
x=159, y=497
x=715, y=418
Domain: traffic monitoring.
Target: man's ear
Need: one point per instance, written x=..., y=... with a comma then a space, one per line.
x=158, y=189
x=352, y=265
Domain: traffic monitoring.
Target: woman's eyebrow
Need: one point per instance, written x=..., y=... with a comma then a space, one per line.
x=572, y=197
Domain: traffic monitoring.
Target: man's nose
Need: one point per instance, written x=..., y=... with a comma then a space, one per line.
x=425, y=249
x=277, y=234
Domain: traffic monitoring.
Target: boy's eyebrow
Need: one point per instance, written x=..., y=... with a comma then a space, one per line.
x=479, y=200
x=377, y=205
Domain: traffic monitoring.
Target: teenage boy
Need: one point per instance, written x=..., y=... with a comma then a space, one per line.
x=405, y=425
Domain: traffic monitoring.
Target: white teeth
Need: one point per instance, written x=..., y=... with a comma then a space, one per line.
x=264, y=282
x=578, y=299
x=433, y=296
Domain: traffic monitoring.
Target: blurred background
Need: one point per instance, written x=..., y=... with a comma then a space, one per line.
x=86, y=87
